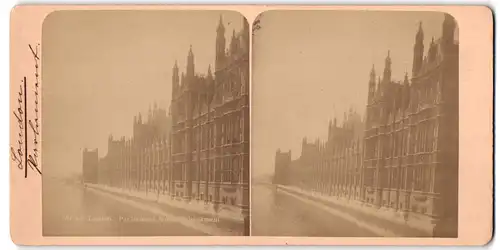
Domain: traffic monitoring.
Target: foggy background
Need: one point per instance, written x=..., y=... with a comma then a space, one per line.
x=310, y=66
x=101, y=68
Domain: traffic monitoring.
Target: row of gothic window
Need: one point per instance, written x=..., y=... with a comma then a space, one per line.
x=418, y=178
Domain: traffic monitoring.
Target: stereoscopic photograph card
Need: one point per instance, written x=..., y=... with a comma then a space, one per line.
x=251, y=125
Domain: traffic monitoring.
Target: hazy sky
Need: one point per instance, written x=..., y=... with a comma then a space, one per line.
x=102, y=68
x=309, y=66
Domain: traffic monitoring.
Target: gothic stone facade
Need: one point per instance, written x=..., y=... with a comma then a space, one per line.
x=201, y=150
x=142, y=162
x=210, y=126
x=407, y=162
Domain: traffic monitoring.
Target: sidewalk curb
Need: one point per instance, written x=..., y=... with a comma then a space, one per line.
x=165, y=205
x=395, y=228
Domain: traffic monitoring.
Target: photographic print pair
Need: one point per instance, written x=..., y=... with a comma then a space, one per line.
x=333, y=123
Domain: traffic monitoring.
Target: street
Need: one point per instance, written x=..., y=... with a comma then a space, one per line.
x=278, y=214
x=71, y=210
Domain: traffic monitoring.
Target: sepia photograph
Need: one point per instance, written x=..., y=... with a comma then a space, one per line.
x=145, y=123
x=256, y=125
x=355, y=124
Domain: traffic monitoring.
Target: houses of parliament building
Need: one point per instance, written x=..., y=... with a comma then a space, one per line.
x=403, y=156
x=199, y=149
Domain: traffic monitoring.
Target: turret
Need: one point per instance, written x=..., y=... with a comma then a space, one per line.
x=387, y=69
x=304, y=145
x=210, y=84
x=234, y=43
x=175, y=79
x=432, y=51
x=220, y=45
x=190, y=63
x=418, y=51
x=448, y=31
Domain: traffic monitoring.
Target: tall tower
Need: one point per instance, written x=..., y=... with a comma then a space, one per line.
x=188, y=99
x=449, y=26
x=175, y=79
x=190, y=64
x=418, y=50
x=387, y=69
x=448, y=135
x=220, y=45
x=234, y=43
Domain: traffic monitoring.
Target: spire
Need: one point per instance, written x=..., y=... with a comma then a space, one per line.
x=220, y=27
x=420, y=33
x=209, y=76
x=418, y=51
x=387, y=69
x=432, y=51
x=190, y=62
x=234, y=43
x=406, y=81
x=210, y=84
x=220, y=45
x=175, y=78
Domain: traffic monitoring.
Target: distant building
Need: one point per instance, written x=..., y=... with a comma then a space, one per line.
x=141, y=162
x=406, y=160
x=332, y=167
x=90, y=161
x=282, y=165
